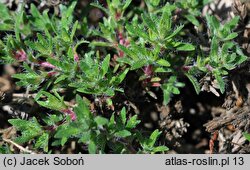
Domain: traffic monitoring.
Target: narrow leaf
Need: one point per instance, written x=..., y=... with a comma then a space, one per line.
x=105, y=65
x=220, y=81
x=195, y=83
x=149, y=22
x=122, y=134
x=123, y=115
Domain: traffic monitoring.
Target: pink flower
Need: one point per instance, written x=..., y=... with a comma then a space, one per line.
x=121, y=53
x=20, y=55
x=70, y=113
x=76, y=57
x=156, y=84
x=126, y=42
x=210, y=68
x=118, y=15
x=186, y=68
x=115, y=57
x=51, y=128
x=148, y=70
x=52, y=73
x=123, y=41
x=47, y=65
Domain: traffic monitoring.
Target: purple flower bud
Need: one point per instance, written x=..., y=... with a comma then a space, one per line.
x=186, y=68
x=20, y=55
x=76, y=57
x=148, y=70
x=52, y=73
x=47, y=65
x=156, y=84
x=51, y=128
x=70, y=113
x=210, y=68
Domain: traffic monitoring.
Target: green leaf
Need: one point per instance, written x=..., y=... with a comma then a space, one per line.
x=128, y=52
x=67, y=16
x=101, y=121
x=160, y=149
x=67, y=131
x=232, y=24
x=100, y=44
x=29, y=129
x=225, y=47
x=127, y=3
x=136, y=31
x=246, y=135
x=105, y=65
x=149, y=22
x=65, y=36
x=162, y=70
x=195, y=83
x=82, y=111
x=163, y=62
x=27, y=76
x=100, y=7
x=220, y=81
x=85, y=90
x=214, y=49
x=132, y=122
x=166, y=97
x=73, y=30
x=43, y=142
x=231, y=36
x=186, y=47
x=155, y=2
x=213, y=23
x=18, y=22
x=86, y=136
x=60, y=78
x=118, y=79
x=6, y=19
x=153, y=137
x=138, y=64
x=4, y=14
x=52, y=102
x=112, y=121
x=176, y=31
x=165, y=22
x=34, y=11
x=92, y=148
x=123, y=115
x=26, y=137
x=63, y=141
x=155, y=79
x=175, y=90
x=241, y=58
x=24, y=124
x=192, y=19
x=123, y=134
